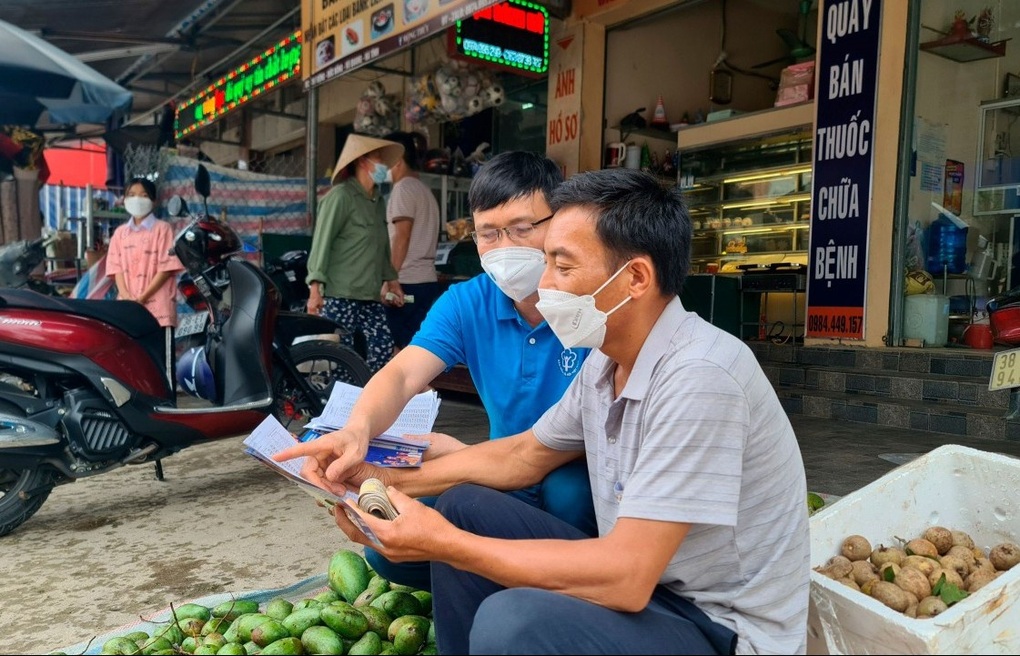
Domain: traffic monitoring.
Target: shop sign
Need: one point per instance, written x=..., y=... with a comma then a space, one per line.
x=847, y=83
x=246, y=82
x=563, y=136
x=342, y=35
x=513, y=35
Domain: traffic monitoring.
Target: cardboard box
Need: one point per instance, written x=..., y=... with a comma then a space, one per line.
x=952, y=486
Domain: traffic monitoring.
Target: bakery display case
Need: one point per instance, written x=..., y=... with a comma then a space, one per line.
x=749, y=199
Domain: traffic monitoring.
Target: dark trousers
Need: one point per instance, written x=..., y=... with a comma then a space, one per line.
x=405, y=321
x=474, y=615
x=565, y=493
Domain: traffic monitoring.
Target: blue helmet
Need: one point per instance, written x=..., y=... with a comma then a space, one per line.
x=194, y=374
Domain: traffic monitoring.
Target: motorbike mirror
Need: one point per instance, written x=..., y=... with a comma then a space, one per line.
x=176, y=206
x=202, y=183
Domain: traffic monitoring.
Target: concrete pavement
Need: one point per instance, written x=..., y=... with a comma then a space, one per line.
x=104, y=551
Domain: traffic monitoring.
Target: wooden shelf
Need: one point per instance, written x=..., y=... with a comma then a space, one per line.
x=742, y=126
x=965, y=49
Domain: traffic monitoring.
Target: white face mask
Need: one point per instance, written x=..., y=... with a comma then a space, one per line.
x=516, y=270
x=574, y=319
x=138, y=206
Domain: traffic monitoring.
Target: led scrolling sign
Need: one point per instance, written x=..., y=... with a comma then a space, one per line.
x=513, y=35
x=246, y=82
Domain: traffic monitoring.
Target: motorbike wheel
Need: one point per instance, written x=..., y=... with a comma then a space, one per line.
x=321, y=363
x=34, y=484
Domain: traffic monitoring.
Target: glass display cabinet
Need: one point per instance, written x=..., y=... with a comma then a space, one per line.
x=997, y=188
x=749, y=199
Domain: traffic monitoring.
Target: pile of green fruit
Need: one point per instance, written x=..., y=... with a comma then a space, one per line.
x=360, y=613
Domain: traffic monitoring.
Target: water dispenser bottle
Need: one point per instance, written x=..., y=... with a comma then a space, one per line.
x=947, y=245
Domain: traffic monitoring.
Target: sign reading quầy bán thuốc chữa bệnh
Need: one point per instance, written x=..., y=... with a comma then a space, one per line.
x=245, y=83
x=343, y=35
x=841, y=179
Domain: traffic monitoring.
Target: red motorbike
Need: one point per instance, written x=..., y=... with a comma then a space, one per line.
x=85, y=386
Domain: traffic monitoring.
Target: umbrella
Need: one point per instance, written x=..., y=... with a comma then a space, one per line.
x=37, y=77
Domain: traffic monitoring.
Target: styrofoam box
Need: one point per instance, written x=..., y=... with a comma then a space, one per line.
x=952, y=486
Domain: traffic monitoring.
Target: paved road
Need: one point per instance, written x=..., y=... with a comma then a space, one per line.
x=103, y=551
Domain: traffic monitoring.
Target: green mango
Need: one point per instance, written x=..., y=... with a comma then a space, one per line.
x=165, y=652
x=205, y=649
x=197, y=611
x=378, y=619
x=348, y=574
x=369, y=645
x=232, y=609
x=409, y=633
x=279, y=609
x=299, y=620
x=401, y=587
x=171, y=632
x=386, y=644
x=188, y=644
x=430, y=649
x=215, y=639
x=246, y=623
x=215, y=625
x=376, y=586
x=321, y=640
x=387, y=651
x=284, y=646
x=191, y=626
x=137, y=635
x=432, y=633
x=269, y=631
x=425, y=599
x=346, y=620
x=120, y=645
x=397, y=603
x=232, y=649
x=152, y=645
x=327, y=596
x=307, y=603
x=251, y=648
x=231, y=633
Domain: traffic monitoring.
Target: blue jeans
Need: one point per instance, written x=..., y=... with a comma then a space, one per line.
x=474, y=615
x=565, y=493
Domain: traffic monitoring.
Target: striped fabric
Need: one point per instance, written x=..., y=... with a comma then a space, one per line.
x=254, y=202
x=58, y=203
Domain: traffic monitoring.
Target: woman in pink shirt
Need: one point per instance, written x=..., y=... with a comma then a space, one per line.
x=140, y=258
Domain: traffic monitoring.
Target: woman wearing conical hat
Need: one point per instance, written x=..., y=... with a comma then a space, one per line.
x=349, y=267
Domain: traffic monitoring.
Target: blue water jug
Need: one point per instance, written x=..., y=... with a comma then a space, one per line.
x=947, y=247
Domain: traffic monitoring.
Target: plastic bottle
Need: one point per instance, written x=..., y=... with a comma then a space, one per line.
x=947, y=247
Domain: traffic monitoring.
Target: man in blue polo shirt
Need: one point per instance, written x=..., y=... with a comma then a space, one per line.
x=489, y=324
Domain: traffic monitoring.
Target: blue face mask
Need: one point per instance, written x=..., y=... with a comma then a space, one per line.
x=380, y=173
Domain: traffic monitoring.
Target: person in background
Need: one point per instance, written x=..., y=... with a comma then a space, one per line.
x=413, y=216
x=349, y=262
x=697, y=476
x=490, y=324
x=140, y=258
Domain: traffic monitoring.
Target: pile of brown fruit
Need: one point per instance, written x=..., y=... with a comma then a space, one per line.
x=924, y=576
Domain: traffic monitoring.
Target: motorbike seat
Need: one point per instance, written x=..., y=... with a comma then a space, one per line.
x=128, y=316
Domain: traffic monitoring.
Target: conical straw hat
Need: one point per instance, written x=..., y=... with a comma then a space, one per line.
x=358, y=145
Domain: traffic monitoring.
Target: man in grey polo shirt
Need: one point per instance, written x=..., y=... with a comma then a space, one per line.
x=696, y=474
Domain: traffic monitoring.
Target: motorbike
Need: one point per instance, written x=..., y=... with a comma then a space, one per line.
x=88, y=386
x=288, y=273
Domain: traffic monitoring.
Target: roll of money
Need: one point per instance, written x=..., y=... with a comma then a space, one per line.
x=373, y=499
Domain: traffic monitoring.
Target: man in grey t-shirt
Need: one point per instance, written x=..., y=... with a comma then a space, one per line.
x=412, y=215
x=696, y=474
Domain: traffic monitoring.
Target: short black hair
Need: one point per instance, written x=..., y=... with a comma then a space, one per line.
x=512, y=175
x=148, y=185
x=411, y=155
x=635, y=215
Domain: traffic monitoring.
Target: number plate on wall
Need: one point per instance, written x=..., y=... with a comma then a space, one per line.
x=1005, y=370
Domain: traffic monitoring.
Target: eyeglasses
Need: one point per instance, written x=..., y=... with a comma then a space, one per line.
x=517, y=232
